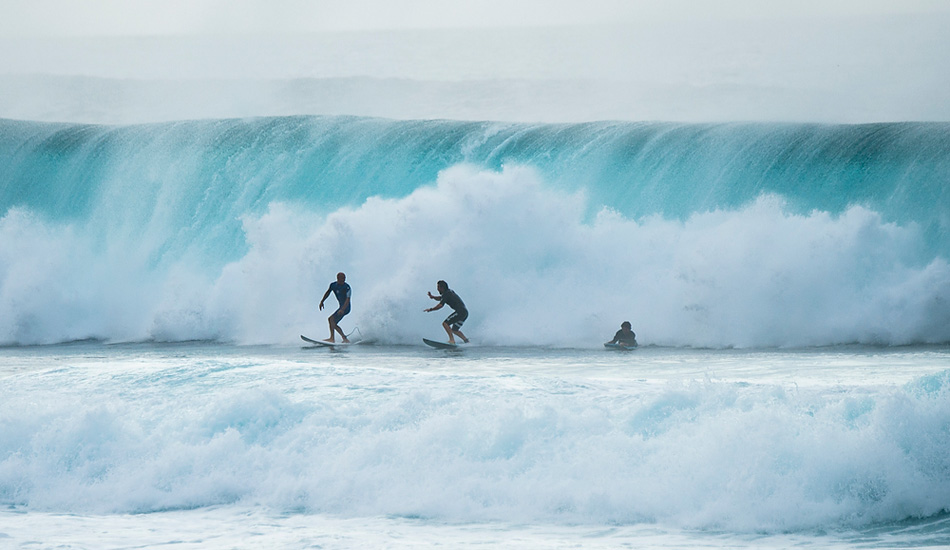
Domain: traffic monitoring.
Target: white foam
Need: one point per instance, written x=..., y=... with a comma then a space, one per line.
x=529, y=265
x=478, y=441
x=533, y=271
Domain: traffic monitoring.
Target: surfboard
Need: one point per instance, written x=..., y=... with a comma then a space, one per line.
x=440, y=345
x=619, y=347
x=328, y=344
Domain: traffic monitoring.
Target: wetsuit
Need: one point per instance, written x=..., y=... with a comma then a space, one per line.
x=459, y=313
x=629, y=340
x=342, y=292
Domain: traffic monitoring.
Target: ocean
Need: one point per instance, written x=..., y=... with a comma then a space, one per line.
x=788, y=281
x=207, y=445
x=703, y=235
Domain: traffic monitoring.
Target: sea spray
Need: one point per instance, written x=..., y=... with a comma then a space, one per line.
x=701, y=235
x=532, y=268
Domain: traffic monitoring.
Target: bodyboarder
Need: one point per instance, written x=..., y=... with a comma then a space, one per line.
x=625, y=337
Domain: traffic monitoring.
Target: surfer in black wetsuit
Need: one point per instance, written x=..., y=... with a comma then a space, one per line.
x=453, y=322
x=625, y=336
x=342, y=292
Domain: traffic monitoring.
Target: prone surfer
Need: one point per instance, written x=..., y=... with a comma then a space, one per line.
x=452, y=323
x=625, y=336
x=341, y=290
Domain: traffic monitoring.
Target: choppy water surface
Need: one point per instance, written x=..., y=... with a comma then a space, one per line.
x=208, y=445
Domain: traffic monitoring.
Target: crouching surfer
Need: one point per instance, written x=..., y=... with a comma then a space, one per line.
x=625, y=337
x=452, y=323
x=342, y=292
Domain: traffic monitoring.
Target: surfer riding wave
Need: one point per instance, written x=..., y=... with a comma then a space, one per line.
x=342, y=291
x=453, y=323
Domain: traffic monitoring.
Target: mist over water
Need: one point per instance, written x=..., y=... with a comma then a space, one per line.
x=849, y=70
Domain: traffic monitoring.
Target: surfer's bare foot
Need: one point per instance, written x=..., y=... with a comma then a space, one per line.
x=345, y=341
x=465, y=340
x=330, y=340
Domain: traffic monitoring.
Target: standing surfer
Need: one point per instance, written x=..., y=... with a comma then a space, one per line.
x=452, y=323
x=342, y=292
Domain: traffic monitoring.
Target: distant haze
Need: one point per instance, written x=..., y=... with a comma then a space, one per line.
x=139, y=61
x=159, y=17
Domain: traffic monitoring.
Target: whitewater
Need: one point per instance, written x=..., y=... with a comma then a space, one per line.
x=731, y=235
x=788, y=281
x=204, y=445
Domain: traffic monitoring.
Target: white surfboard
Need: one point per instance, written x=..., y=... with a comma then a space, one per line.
x=328, y=344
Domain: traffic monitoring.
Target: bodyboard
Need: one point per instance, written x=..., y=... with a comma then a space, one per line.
x=619, y=347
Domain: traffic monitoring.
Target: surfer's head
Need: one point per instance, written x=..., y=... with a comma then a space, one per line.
x=442, y=286
x=341, y=277
x=625, y=324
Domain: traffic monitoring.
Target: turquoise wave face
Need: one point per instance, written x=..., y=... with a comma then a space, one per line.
x=205, y=229
x=198, y=178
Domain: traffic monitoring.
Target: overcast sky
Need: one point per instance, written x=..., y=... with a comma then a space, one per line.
x=151, y=17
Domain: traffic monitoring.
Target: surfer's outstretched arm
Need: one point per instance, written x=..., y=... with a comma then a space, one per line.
x=324, y=299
